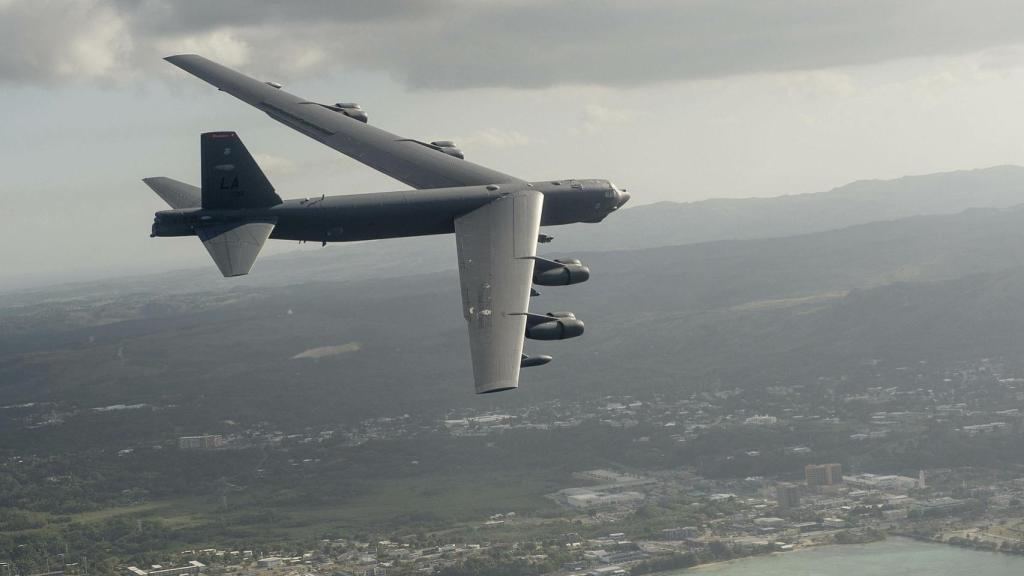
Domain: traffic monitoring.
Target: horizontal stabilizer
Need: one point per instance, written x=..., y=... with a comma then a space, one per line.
x=177, y=194
x=234, y=247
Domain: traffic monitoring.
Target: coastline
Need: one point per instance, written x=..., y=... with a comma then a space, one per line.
x=895, y=541
x=717, y=563
x=795, y=550
x=768, y=555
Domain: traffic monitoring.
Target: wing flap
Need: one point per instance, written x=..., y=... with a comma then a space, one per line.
x=496, y=244
x=234, y=247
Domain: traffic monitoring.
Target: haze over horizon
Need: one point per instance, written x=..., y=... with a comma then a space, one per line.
x=805, y=329
x=675, y=101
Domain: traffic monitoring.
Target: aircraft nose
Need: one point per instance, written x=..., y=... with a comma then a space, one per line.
x=622, y=197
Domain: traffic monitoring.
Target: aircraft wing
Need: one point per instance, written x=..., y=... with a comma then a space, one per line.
x=414, y=163
x=496, y=245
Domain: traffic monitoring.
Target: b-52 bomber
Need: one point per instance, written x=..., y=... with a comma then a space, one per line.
x=496, y=218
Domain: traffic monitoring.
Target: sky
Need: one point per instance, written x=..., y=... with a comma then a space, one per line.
x=680, y=101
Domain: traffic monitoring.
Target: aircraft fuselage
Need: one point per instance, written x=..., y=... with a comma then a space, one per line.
x=379, y=215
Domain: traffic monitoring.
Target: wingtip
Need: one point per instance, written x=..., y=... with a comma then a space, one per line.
x=174, y=57
x=498, y=385
x=493, y=390
x=183, y=60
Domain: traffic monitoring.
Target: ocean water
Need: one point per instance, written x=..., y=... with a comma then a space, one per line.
x=894, y=556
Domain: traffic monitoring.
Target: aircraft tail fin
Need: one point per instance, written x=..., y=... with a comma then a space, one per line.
x=231, y=178
x=235, y=246
x=177, y=194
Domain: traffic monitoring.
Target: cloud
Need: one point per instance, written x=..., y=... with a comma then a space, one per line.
x=223, y=45
x=324, y=351
x=176, y=17
x=454, y=44
x=493, y=138
x=275, y=165
x=47, y=41
x=597, y=118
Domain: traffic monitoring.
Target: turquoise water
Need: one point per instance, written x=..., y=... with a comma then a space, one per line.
x=895, y=556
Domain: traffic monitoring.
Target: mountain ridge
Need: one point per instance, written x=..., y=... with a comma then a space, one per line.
x=658, y=320
x=645, y=226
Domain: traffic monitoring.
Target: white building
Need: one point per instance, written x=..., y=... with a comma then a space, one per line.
x=985, y=428
x=270, y=562
x=193, y=567
x=884, y=482
x=590, y=499
x=204, y=442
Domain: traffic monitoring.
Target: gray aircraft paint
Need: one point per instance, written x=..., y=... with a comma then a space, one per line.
x=495, y=217
x=381, y=215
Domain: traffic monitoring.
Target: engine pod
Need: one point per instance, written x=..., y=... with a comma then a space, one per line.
x=562, y=275
x=551, y=327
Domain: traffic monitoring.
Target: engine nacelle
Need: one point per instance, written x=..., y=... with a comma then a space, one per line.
x=553, y=326
x=352, y=110
x=559, y=272
x=449, y=148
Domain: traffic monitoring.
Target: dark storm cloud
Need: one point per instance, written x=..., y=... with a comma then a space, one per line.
x=40, y=39
x=642, y=42
x=463, y=43
x=170, y=16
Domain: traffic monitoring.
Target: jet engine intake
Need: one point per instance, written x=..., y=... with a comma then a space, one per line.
x=559, y=272
x=553, y=326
